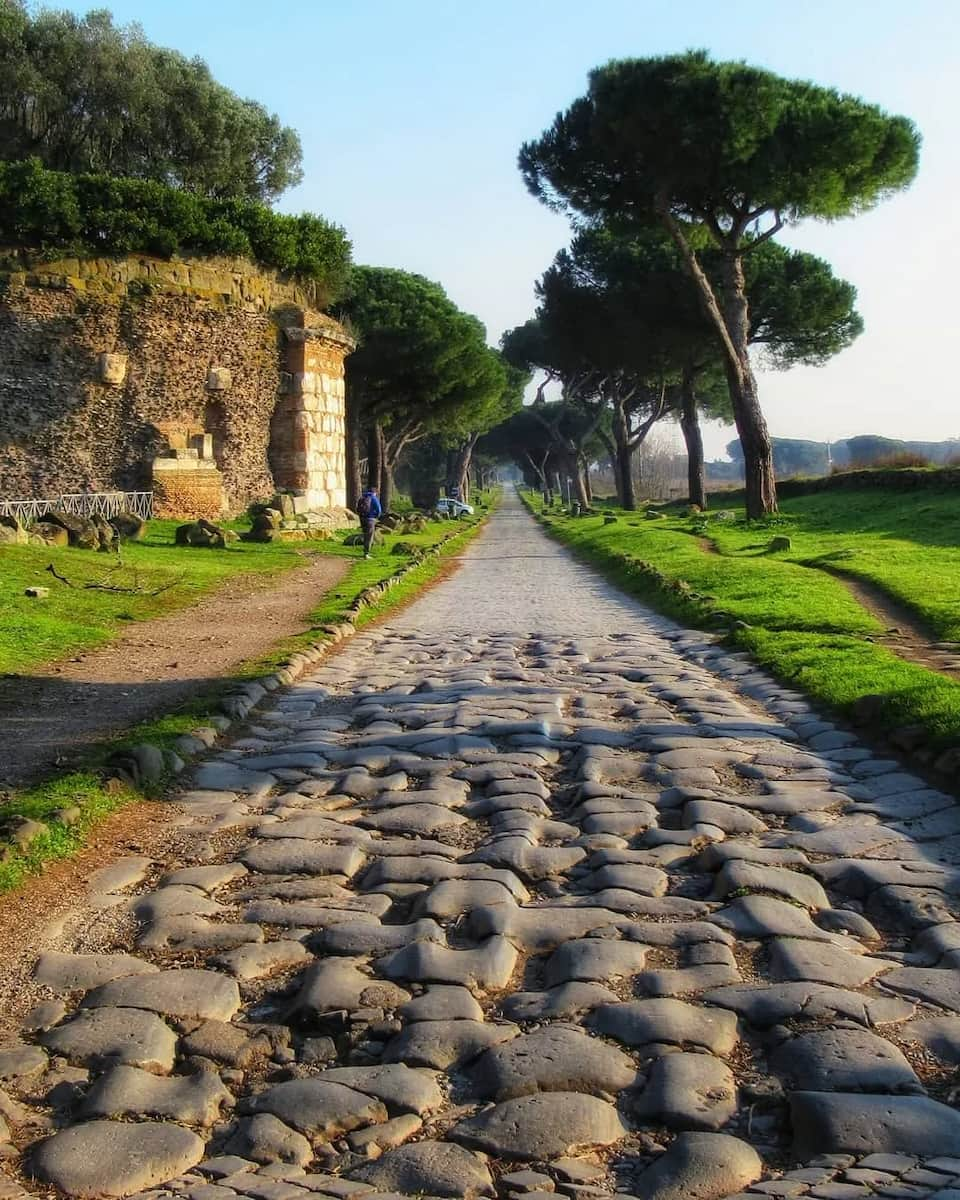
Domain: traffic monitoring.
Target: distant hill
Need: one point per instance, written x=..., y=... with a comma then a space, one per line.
x=795, y=456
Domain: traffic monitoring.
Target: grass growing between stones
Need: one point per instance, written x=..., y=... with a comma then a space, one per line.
x=796, y=618
x=84, y=791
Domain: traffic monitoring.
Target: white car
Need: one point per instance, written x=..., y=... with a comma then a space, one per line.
x=454, y=508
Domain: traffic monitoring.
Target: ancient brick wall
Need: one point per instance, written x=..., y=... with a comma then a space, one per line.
x=104, y=364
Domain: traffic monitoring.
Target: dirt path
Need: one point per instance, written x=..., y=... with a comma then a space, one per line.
x=48, y=719
x=904, y=633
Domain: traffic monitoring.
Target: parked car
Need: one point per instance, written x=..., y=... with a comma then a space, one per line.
x=448, y=506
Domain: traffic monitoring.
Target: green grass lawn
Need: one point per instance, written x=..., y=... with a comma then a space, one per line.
x=65, y=628
x=800, y=621
x=33, y=632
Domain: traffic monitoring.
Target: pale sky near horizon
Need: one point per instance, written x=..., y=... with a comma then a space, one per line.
x=411, y=113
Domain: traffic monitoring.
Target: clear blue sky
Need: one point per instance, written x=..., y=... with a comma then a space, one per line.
x=411, y=113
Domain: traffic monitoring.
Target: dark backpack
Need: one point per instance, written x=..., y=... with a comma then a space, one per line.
x=365, y=507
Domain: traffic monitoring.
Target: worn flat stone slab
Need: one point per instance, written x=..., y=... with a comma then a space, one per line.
x=186, y=993
x=940, y=986
x=753, y=917
x=413, y=819
x=197, y=933
x=553, y=1059
x=639, y=1022
x=125, y=1035
x=207, y=878
x=844, y=1060
x=401, y=1088
x=110, y=1158
x=688, y=1091
x=80, y=972
x=594, y=959
x=445, y=1044
x=940, y=1035
x=173, y=902
x=700, y=1166
x=542, y=1127
x=255, y=960
x=739, y=873
x=339, y=983
x=118, y=876
x=560, y=1003
x=819, y=962
x=319, y=1108
x=429, y=1168
x=228, y=778
x=531, y=863
x=830, y=1123
x=764, y=1006
x=297, y=856
x=264, y=1139
x=490, y=966
x=541, y=928
x=131, y=1092
x=442, y=1002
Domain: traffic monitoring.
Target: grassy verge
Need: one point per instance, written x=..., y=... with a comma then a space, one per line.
x=799, y=622
x=75, y=618
x=84, y=791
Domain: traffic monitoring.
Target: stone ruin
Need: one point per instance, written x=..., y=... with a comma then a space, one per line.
x=211, y=383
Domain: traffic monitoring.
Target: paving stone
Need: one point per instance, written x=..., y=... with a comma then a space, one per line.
x=700, y=1166
x=253, y=961
x=80, y=972
x=553, y=1059
x=265, y=1139
x=172, y=902
x=442, y=1002
x=339, y=983
x=764, y=917
x=124, y=1035
x=208, y=878
x=531, y=863
x=649, y=881
x=431, y=1168
x=764, y=1006
x=453, y=897
x=197, y=933
x=935, y=986
x=539, y=928
x=445, y=1044
x=688, y=1091
x=119, y=875
x=293, y=856
x=739, y=873
x=21, y=1061
x=596, y=958
x=844, y=1060
x=110, y=1158
x=871, y=1124
x=319, y=1108
x=186, y=993
x=640, y=1022
x=377, y=1138
x=131, y=1092
x=487, y=967
x=401, y=1088
x=225, y=1043
x=366, y=937
x=541, y=1127
x=940, y=1035
x=727, y=817
x=819, y=962
x=557, y=1003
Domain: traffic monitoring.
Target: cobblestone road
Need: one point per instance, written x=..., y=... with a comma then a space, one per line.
x=527, y=892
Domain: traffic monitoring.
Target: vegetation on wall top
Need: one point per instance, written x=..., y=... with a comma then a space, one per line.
x=55, y=211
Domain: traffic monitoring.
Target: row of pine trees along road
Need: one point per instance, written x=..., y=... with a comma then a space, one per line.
x=678, y=174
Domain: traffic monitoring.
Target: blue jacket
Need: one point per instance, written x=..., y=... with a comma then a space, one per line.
x=375, y=508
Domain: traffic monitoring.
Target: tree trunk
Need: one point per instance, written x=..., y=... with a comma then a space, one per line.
x=732, y=326
x=375, y=456
x=623, y=462
x=352, y=437
x=751, y=423
x=692, y=436
x=458, y=475
x=587, y=486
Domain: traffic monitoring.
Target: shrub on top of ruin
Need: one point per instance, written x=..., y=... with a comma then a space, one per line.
x=54, y=211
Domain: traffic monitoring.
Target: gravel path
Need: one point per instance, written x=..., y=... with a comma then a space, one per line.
x=528, y=892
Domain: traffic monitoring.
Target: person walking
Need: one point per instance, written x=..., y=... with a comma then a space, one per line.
x=369, y=512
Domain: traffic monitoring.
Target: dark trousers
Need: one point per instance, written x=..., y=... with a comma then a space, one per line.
x=369, y=529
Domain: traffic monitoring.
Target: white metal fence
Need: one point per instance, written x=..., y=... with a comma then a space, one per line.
x=82, y=504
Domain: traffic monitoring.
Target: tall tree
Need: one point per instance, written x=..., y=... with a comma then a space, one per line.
x=730, y=149
x=422, y=367
x=83, y=95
